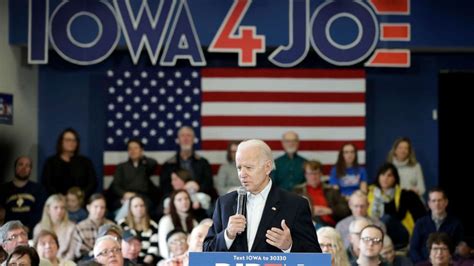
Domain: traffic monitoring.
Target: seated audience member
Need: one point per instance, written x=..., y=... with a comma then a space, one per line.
x=112, y=230
x=180, y=217
x=359, y=205
x=464, y=255
x=370, y=244
x=289, y=170
x=55, y=219
x=227, y=177
x=402, y=155
x=201, y=202
x=330, y=242
x=12, y=235
x=347, y=175
x=131, y=246
x=3, y=255
x=396, y=207
x=133, y=176
x=21, y=198
x=389, y=255
x=440, y=246
x=355, y=228
x=107, y=251
x=186, y=158
x=437, y=220
x=23, y=255
x=86, y=231
x=47, y=245
x=67, y=168
x=177, y=246
x=138, y=221
x=328, y=205
x=123, y=211
x=74, y=202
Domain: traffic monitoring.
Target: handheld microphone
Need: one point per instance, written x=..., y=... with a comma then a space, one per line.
x=241, y=200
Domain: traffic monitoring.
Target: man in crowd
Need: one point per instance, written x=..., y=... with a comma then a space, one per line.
x=370, y=244
x=289, y=170
x=22, y=198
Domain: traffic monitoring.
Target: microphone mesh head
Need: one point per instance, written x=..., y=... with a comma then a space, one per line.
x=242, y=191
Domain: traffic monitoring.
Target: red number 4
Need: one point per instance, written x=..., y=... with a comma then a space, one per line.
x=246, y=43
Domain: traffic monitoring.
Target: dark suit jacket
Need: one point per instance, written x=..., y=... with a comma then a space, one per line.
x=279, y=205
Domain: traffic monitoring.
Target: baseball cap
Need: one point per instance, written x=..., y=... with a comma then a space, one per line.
x=129, y=235
x=109, y=228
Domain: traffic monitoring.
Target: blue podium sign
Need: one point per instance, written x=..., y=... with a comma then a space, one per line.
x=258, y=259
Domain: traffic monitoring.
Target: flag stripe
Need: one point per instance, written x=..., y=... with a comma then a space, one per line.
x=282, y=85
x=303, y=146
x=283, y=109
x=283, y=97
x=274, y=133
x=283, y=121
x=282, y=73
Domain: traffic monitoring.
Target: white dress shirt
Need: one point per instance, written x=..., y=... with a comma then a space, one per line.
x=255, y=207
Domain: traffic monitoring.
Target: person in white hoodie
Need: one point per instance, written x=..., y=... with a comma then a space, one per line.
x=402, y=155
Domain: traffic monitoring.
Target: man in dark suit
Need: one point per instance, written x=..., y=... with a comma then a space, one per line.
x=275, y=220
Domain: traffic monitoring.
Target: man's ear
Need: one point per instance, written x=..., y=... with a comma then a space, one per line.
x=268, y=167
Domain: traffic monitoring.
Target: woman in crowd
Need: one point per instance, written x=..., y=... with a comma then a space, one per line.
x=396, y=207
x=331, y=242
x=402, y=155
x=55, y=219
x=138, y=221
x=177, y=246
x=227, y=177
x=47, y=245
x=23, y=255
x=347, y=175
x=180, y=217
x=67, y=168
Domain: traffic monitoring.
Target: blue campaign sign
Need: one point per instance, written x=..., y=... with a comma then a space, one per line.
x=6, y=109
x=258, y=259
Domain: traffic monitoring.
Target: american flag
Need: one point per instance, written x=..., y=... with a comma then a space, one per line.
x=325, y=107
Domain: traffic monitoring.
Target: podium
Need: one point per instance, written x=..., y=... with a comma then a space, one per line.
x=258, y=259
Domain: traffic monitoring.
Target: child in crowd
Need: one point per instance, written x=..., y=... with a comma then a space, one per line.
x=74, y=202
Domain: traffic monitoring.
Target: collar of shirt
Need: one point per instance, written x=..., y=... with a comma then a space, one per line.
x=438, y=219
x=263, y=195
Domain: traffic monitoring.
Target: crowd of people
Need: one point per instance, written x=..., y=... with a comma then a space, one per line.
x=63, y=220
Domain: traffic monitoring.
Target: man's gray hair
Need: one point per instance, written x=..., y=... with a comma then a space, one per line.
x=9, y=226
x=265, y=150
x=104, y=238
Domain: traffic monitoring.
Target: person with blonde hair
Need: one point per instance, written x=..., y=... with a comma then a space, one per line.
x=55, y=219
x=331, y=242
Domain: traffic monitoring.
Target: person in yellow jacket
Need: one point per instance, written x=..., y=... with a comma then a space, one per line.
x=396, y=207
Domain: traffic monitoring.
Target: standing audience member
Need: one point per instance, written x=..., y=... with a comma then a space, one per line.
x=289, y=170
x=22, y=198
x=440, y=246
x=138, y=221
x=74, y=203
x=186, y=158
x=389, y=255
x=47, y=245
x=180, y=217
x=402, y=155
x=23, y=255
x=370, y=244
x=359, y=206
x=330, y=242
x=87, y=230
x=55, y=219
x=67, y=168
x=133, y=176
x=227, y=178
x=436, y=221
x=396, y=207
x=329, y=206
x=347, y=175
x=107, y=251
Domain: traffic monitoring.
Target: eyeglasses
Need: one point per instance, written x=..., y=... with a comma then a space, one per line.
x=15, y=237
x=439, y=249
x=328, y=245
x=373, y=241
x=107, y=252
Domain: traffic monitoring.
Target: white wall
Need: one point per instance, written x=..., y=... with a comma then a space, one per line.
x=21, y=80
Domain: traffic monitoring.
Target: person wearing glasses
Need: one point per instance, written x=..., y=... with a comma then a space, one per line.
x=107, y=251
x=12, y=235
x=370, y=245
x=331, y=242
x=177, y=246
x=440, y=248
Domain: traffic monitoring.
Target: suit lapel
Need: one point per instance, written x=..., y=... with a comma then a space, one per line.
x=271, y=209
